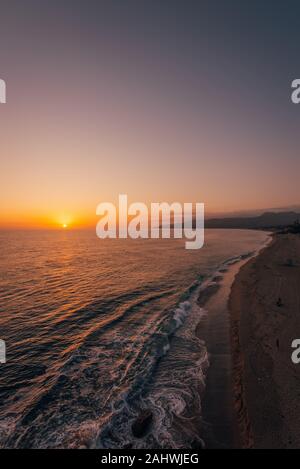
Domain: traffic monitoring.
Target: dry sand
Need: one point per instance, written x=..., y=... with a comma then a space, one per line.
x=266, y=382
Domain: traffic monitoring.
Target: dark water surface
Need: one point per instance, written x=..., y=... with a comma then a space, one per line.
x=100, y=333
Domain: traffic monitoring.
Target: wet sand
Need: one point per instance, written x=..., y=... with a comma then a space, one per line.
x=220, y=429
x=266, y=382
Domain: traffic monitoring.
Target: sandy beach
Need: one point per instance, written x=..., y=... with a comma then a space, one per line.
x=219, y=424
x=264, y=309
x=219, y=420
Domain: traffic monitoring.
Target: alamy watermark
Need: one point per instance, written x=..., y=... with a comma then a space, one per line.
x=2, y=92
x=136, y=221
x=296, y=353
x=295, y=96
x=2, y=351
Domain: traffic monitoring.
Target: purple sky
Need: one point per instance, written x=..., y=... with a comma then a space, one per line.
x=165, y=101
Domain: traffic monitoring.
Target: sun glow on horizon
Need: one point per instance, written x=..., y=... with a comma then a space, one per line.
x=64, y=220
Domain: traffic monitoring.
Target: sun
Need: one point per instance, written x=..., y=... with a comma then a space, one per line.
x=64, y=221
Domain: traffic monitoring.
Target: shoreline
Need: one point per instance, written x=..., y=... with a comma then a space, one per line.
x=220, y=427
x=263, y=307
x=240, y=407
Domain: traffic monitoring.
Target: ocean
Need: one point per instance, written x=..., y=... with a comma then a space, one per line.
x=100, y=337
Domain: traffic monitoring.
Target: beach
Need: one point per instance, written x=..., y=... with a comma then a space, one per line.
x=264, y=313
x=220, y=427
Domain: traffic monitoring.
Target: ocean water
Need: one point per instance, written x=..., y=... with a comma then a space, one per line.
x=100, y=337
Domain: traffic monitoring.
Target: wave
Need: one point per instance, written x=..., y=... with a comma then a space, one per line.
x=149, y=398
x=97, y=386
x=133, y=380
x=167, y=411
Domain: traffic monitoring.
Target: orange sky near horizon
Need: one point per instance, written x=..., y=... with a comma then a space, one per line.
x=58, y=164
x=57, y=169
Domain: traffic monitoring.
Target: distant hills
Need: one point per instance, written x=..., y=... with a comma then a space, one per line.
x=267, y=220
x=254, y=212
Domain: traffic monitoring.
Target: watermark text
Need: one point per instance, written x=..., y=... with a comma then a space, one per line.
x=136, y=221
x=2, y=92
x=2, y=351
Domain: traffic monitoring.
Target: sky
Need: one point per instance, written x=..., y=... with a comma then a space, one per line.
x=165, y=100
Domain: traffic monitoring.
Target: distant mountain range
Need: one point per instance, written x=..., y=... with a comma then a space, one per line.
x=264, y=221
x=254, y=212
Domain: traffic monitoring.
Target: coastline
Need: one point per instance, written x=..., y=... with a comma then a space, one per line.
x=220, y=428
x=265, y=380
